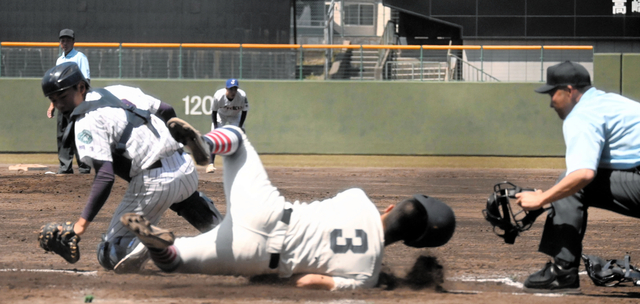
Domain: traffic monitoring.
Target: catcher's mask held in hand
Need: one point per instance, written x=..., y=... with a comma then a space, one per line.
x=501, y=215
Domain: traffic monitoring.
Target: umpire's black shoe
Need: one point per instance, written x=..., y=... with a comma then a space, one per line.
x=552, y=277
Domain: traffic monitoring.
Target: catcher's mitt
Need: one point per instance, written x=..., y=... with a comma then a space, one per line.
x=500, y=213
x=61, y=239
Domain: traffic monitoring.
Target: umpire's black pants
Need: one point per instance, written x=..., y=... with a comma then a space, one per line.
x=614, y=190
x=65, y=155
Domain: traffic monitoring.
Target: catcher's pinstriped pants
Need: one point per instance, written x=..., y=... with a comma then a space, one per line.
x=151, y=192
x=614, y=190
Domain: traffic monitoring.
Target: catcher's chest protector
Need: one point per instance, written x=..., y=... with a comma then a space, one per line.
x=136, y=117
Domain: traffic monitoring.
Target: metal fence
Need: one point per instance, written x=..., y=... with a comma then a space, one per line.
x=525, y=63
x=299, y=62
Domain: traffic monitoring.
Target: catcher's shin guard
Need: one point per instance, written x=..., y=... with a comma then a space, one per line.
x=134, y=261
x=199, y=211
x=111, y=252
x=611, y=272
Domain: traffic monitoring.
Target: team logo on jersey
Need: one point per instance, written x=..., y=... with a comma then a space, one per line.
x=85, y=136
x=234, y=108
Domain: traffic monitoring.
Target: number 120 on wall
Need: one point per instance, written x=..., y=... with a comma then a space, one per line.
x=196, y=105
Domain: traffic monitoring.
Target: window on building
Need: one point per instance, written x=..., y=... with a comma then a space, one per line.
x=311, y=13
x=358, y=14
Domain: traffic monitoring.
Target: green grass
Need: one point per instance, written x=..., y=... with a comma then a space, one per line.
x=373, y=161
x=412, y=161
x=29, y=158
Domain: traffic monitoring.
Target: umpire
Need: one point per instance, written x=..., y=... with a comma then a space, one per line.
x=602, y=137
x=70, y=54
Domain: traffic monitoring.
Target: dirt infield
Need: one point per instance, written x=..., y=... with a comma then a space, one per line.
x=478, y=266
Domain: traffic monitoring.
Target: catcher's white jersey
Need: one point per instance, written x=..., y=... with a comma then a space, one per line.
x=340, y=237
x=97, y=133
x=135, y=96
x=229, y=111
x=150, y=191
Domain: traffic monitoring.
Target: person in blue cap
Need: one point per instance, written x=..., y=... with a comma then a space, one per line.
x=230, y=106
x=602, y=141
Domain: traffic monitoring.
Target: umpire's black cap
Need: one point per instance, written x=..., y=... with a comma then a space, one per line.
x=563, y=74
x=61, y=77
x=67, y=33
x=441, y=223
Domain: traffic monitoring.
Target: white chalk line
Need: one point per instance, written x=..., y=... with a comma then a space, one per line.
x=81, y=272
x=492, y=279
x=503, y=280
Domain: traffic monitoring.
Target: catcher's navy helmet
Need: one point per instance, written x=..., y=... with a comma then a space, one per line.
x=441, y=223
x=61, y=77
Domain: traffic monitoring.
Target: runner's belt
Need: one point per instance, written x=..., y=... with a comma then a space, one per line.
x=276, y=241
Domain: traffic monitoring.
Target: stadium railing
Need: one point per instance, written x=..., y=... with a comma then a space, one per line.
x=472, y=63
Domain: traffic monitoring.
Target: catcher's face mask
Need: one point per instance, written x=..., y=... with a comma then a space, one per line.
x=500, y=214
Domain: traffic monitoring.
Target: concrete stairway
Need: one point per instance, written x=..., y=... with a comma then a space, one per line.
x=369, y=61
x=403, y=68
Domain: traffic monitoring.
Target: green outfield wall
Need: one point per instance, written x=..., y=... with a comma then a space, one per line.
x=326, y=117
x=631, y=76
x=333, y=117
x=607, y=74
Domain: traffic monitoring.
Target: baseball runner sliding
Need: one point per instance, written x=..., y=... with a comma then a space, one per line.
x=332, y=244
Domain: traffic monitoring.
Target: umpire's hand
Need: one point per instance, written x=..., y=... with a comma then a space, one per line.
x=51, y=111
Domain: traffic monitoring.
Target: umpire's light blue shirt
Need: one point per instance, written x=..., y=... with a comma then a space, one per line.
x=602, y=131
x=79, y=58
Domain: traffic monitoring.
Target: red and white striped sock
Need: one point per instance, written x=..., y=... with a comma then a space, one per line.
x=224, y=141
x=166, y=259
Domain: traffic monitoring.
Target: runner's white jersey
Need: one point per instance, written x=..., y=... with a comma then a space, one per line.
x=229, y=112
x=341, y=237
x=136, y=97
x=97, y=133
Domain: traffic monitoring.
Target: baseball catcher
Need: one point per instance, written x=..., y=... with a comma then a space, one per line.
x=120, y=131
x=61, y=239
x=500, y=213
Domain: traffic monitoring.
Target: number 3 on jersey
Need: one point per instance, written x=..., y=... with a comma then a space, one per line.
x=337, y=233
